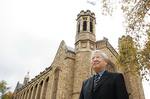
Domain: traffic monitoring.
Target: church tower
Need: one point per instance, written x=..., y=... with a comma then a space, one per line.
x=85, y=33
x=26, y=79
x=63, y=78
x=84, y=42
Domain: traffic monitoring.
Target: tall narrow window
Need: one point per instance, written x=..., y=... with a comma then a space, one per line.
x=21, y=96
x=79, y=27
x=84, y=25
x=24, y=95
x=45, y=89
x=39, y=90
x=91, y=27
x=34, y=91
x=30, y=93
x=27, y=92
x=55, y=84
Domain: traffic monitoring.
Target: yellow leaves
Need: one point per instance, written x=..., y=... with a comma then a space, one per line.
x=127, y=58
x=2, y=86
x=146, y=55
x=131, y=59
x=3, y=89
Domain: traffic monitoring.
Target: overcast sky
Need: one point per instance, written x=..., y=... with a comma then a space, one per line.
x=31, y=31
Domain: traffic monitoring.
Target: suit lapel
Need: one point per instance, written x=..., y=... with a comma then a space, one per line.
x=102, y=80
x=91, y=84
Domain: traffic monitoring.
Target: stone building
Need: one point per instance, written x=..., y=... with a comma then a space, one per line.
x=63, y=79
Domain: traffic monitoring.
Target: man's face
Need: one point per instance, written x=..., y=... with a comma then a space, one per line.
x=98, y=63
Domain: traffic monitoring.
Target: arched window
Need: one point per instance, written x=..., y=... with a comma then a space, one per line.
x=91, y=27
x=45, y=88
x=39, y=90
x=21, y=95
x=79, y=27
x=84, y=25
x=27, y=92
x=55, y=83
x=34, y=91
x=30, y=93
x=24, y=95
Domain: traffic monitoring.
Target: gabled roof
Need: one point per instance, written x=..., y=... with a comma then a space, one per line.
x=105, y=43
x=62, y=47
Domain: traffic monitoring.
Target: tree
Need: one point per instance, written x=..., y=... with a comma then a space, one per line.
x=145, y=59
x=7, y=95
x=3, y=87
x=136, y=14
x=127, y=58
x=134, y=11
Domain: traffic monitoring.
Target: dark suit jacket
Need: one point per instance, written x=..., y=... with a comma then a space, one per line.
x=110, y=86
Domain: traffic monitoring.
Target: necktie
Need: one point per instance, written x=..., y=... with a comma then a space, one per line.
x=96, y=80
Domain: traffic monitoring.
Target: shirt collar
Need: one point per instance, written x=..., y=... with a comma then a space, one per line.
x=101, y=73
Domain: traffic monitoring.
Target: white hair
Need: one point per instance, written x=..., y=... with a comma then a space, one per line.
x=101, y=53
x=105, y=58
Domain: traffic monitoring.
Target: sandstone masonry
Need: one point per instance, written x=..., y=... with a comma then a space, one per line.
x=63, y=79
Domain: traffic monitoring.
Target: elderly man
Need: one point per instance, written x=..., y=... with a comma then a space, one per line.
x=104, y=84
